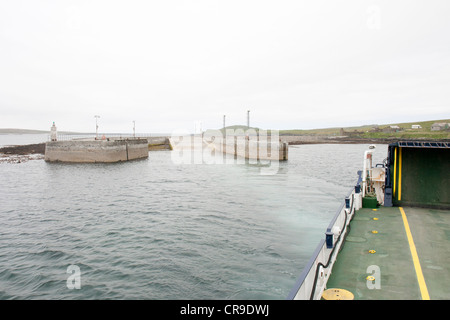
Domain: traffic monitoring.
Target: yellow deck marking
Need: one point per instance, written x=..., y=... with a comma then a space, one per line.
x=395, y=169
x=400, y=174
x=415, y=257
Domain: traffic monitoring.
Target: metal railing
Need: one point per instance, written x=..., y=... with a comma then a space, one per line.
x=313, y=279
x=92, y=136
x=424, y=144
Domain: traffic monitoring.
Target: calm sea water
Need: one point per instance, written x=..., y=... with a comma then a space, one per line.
x=154, y=229
x=21, y=139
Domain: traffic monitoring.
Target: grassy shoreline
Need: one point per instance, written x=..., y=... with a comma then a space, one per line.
x=373, y=131
x=404, y=131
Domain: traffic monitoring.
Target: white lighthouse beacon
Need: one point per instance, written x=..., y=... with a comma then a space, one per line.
x=53, y=133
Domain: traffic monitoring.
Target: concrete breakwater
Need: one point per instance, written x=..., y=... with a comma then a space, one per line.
x=253, y=149
x=158, y=143
x=211, y=147
x=96, y=150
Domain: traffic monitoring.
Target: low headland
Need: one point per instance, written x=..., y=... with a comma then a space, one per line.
x=381, y=134
x=418, y=131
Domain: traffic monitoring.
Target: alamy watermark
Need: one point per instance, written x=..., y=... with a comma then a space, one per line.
x=373, y=17
x=373, y=281
x=73, y=21
x=262, y=147
x=74, y=280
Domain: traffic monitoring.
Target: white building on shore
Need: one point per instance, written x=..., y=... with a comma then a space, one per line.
x=438, y=126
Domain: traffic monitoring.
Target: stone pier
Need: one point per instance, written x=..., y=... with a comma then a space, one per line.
x=96, y=150
x=254, y=149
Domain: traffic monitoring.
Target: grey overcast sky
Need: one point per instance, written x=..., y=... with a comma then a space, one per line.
x=171, y=65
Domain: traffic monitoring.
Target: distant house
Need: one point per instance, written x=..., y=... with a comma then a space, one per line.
x=391, y=129
x=439, y=126
x=416, y=126
x=375, y=129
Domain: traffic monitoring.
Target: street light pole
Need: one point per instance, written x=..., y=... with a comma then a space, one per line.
x=134, y=129
x=248, y=118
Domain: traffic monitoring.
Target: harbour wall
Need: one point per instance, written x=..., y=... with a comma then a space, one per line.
x=238, y=146
x=257, y=150
x=96, y=150
x=159, y=143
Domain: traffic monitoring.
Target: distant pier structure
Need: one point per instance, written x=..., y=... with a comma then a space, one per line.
x=241, y=144
x=249, y=147
x=105, y=150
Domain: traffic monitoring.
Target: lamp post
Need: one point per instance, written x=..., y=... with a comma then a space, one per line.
x=134, y=129
x=248, y=119
x=96, y=127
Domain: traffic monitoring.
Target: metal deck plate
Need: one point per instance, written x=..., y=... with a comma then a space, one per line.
x=392, y=263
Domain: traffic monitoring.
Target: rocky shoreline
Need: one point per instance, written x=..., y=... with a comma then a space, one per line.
x=300, y=140
x=20, y=158
x=38, y=148
x=22, y=153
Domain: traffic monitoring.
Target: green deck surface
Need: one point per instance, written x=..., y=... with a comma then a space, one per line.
x=392, y=264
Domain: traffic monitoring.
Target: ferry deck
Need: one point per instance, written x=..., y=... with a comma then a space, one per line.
x=390, y=239
x=405, y=249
